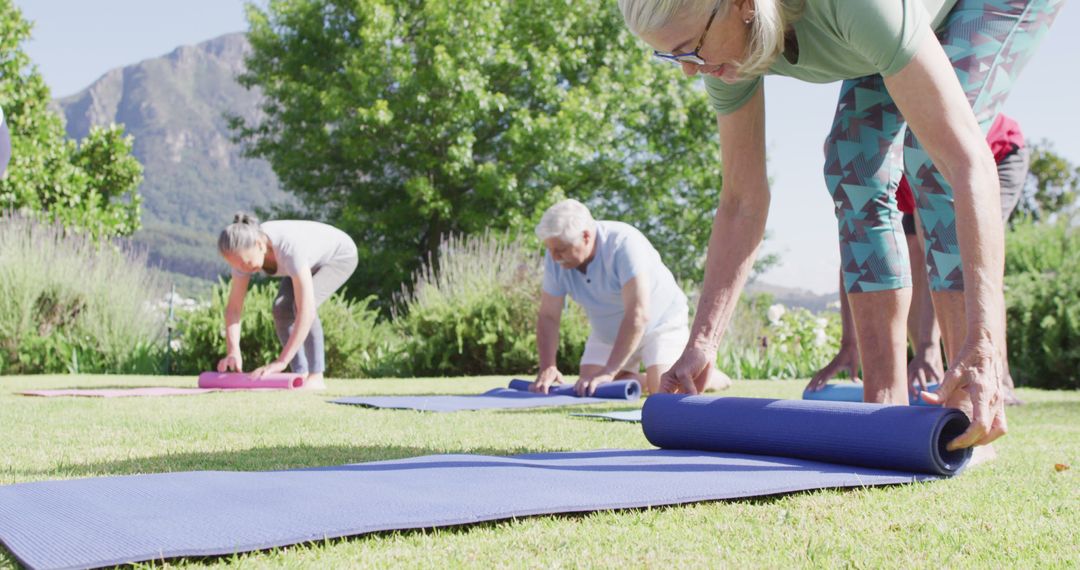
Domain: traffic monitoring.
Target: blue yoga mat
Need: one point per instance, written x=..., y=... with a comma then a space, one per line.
x=740, y=448
x=617, y=416
x=853, y=392
x=515, y=395
x=908, y=438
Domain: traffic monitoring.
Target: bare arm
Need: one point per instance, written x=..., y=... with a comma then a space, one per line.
x=547, y=341
x=738, y=228
x=739, y=224
x=635, y=297
x=547, y=329
x=930, y=97
x=233, y=311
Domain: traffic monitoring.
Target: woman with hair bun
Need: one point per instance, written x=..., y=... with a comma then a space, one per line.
x=313, y=260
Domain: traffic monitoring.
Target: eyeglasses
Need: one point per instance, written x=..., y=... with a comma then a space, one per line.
x=690, y=56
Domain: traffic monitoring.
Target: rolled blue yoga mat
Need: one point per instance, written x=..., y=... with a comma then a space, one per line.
x=906, y=438
x=516, y=395
x=853, y=392
x=617, y=390
x=714, y=448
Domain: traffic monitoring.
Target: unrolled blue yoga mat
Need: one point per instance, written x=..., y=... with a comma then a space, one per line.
x=718, y=448
x=633, y=416
x=515, y=395
x=853, y=392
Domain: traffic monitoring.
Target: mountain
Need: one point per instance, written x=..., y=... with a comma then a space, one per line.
x=794, y=297
x=195, y=177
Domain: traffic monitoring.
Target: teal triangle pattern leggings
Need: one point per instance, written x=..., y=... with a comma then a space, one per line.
x=869, y=147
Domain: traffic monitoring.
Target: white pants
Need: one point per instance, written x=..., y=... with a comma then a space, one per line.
x=661, y=346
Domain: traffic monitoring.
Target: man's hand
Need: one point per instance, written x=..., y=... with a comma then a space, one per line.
x=547, y=378
x=586, y=385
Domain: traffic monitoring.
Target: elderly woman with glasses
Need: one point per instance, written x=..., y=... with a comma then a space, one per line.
x=922, y=80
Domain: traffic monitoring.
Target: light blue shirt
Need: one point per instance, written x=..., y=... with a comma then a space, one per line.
x=622, y=253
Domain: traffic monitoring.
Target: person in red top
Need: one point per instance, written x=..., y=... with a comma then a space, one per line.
x=1013, y=159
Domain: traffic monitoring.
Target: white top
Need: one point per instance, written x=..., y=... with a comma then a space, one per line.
x=300, y=243
x=622, y=253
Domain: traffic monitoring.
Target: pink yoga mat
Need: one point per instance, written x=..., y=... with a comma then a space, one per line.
x=242, y=381
x=118, y=392
x=208, y=382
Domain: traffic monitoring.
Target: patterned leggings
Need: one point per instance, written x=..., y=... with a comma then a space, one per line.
x=869, y=147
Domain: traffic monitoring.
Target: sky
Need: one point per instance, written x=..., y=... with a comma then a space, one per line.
x=76, y=41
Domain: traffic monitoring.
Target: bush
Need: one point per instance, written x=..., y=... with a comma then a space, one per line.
x=768, y=340
x=475, y=312
x=358, y=344
x=71, y=304
x=1042, y=291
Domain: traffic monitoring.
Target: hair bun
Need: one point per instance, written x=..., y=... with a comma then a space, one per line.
x=245, y=218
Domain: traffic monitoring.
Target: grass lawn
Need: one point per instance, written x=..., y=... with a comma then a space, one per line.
x=1016, y=511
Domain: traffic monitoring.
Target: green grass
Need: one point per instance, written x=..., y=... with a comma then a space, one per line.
x=1016, y=511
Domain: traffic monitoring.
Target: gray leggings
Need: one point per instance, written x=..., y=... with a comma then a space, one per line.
x=325, y=280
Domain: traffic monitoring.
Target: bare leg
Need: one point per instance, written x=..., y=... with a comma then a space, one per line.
x=926, y=366
x=880, y=318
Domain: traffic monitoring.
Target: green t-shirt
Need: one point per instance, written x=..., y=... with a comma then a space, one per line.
x=844, y=39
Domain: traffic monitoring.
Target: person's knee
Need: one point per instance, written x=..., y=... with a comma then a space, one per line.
x=283, y=310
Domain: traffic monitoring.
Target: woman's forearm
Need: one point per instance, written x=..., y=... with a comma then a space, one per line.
x=982, y=246
x=738, y=228
x=232, y=332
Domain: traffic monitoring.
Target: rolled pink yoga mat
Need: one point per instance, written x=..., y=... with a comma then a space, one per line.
x=208, y=382
x=242, y=381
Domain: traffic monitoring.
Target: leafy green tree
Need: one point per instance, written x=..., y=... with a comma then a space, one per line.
x=90, y=185
x=402, y=121
x=1054, y=183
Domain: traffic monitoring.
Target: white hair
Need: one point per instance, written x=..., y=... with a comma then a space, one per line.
x=242, y=234
x=766, y=29
x=565, y=221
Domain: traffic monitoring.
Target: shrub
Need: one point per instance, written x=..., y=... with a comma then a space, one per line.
x=768, y=340
x=475, y=311
x=72, y=304
x=358, y=343
x=1042, y=291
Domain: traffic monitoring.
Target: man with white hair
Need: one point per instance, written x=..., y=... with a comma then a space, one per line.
x=637, y=312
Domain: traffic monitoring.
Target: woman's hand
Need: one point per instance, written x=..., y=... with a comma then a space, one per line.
x=974, y=385
x=547, y=378
x=924, y=369
x=694, y=363
x=272, y=368
x=231, y=362
x=847, y=360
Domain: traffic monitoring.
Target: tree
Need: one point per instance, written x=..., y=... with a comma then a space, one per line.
x=90, y=185
x=1053, y=183
x=402, y=121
